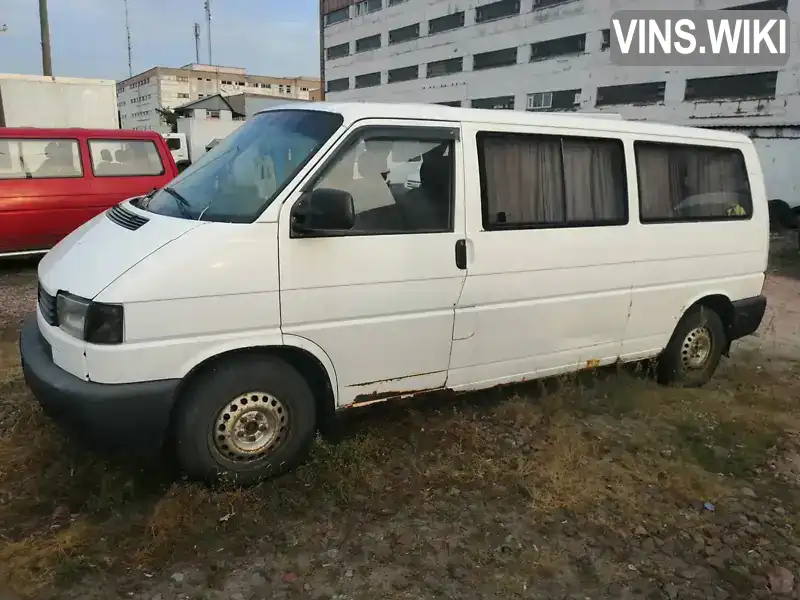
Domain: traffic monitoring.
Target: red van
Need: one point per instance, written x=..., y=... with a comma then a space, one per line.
x=54, y=180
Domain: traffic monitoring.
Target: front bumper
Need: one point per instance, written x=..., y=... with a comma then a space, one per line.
x=747, y=317
x=132, y=418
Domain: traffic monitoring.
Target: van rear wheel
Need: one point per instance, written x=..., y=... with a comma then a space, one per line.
x=695, y=349
x=246, y=420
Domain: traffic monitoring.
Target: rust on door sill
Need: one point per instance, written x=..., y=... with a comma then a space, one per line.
x=377, y=381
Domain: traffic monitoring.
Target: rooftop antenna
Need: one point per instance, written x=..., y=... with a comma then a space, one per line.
x=197, y=42
x=128, y=33
x=208, y=25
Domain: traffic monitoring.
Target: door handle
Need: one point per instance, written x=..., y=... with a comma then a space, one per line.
x=461, y=254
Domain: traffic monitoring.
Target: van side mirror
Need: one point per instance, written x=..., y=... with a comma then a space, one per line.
x=323, y=211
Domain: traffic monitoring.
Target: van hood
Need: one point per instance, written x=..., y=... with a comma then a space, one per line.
x=97, y=253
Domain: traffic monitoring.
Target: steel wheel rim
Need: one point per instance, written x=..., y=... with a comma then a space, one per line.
x=696, y=348
x=250, y=427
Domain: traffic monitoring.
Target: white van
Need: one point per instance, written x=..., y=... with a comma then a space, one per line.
x=234, y=311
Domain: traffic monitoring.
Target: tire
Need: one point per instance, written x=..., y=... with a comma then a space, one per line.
x=700, y=331
x=229, y=422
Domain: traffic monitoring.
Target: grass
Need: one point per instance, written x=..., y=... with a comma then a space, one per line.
x=609, y=450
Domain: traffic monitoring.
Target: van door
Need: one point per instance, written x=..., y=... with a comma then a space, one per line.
x=41, y=185
x=550, y=255
x=379, y=299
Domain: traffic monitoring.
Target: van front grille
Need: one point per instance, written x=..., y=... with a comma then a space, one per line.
x=125, y=218
x=47, y=306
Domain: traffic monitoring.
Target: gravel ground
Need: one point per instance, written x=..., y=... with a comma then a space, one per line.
x=604, y=486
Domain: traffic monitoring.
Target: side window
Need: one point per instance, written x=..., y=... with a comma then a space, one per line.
x=551, y=181
x=121, y=158
x=40, y=159
x=398, y=184
x=690, y=183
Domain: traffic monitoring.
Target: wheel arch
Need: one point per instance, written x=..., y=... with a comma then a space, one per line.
x=303, y=355
x=721, y=304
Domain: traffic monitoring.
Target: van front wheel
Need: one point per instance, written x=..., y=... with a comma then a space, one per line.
x=695, y=349
x=245, y=420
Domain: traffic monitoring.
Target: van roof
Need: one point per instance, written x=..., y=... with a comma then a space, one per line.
x=47, y=132
x=353, y=111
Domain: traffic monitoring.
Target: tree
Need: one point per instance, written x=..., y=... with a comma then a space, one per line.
x=169, y=117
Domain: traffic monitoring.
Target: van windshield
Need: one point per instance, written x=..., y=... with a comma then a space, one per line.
x=236, y=180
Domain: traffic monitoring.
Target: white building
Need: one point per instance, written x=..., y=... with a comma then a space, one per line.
x=160, y=87
x=554, y=55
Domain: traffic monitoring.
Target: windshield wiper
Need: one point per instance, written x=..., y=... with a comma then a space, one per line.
x=183, y=204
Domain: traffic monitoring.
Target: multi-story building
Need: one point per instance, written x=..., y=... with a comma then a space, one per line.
x=161, y=87
x=542, y=55
x=535, y=55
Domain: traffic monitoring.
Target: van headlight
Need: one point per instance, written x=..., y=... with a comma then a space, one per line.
x=93, y=322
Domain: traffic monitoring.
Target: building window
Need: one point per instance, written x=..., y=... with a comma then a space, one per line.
x=560, y=100
x=691, y=183
x=371, y=42
x=606, y=40
x=337, y=16
x=212, y=114
x=396, y=2
x=40, y=159
x=182, y=95
x=446, y=23
x=367, y=6
x=182, y=79
x=125, y=158
x=496, y=103
x=572, y=44
x=337, y=51
x=782, y=5
x=494, y=59
x=403, y=74
x=631, y=93
x=532, y=181
x=732, y=87
x=496, y=10
x=537, y=4
x=368, y=80
x=404, y=34
x=444, y=67
x=338, y=85
x=450, y=103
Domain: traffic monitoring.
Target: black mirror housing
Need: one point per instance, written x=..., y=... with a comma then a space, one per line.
x=324, y=210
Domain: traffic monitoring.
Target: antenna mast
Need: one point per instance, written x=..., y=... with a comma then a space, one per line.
x=197, y=42
x=128, y=33
x=208, y=25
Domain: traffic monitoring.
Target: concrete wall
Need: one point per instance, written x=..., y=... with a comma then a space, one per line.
x=200, y=131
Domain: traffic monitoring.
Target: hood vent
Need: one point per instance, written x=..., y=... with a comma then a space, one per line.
x=125, y=218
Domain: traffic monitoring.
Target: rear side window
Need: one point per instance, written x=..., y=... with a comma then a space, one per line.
x=174, y=143
x=40, y=159
x=125, y=158
x=551, y=181
x=680, y=183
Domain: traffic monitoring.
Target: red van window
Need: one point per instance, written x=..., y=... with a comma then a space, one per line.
x=125, y=158
x=39, y=159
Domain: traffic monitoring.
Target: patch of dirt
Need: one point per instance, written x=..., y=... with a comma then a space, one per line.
x=602, y=486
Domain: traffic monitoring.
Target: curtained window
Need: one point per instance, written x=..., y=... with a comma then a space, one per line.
x=689, y=183
x=551, y=181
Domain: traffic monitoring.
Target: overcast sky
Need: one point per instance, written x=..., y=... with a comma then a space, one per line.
x=267, y=37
